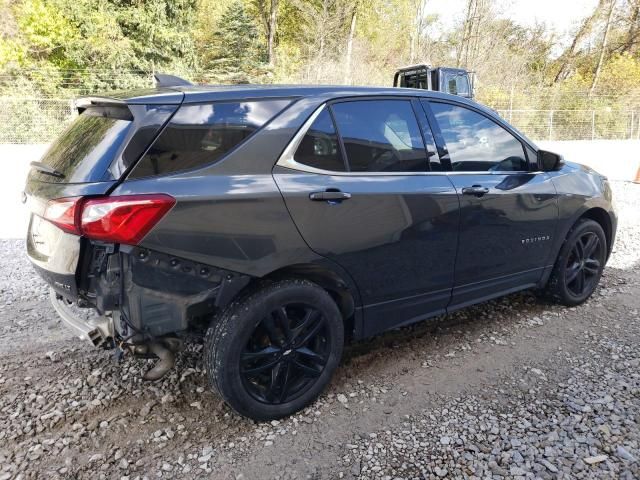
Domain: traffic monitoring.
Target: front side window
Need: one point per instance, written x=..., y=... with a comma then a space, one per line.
x=201, y=134
x=476, y=143
x=380, y=136
x=319, y=147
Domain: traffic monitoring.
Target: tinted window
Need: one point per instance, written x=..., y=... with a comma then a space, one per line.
x=319, y=147
x=476, y=143
x=381, y=136
x=201, y=134
x=87, y=147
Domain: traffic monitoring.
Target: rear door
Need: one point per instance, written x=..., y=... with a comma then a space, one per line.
x=357, y=182
x=508, y=207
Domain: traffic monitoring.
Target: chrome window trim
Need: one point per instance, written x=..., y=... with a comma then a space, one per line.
x=287, y=160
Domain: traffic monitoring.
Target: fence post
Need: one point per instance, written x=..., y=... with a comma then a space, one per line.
x=550, y=125
x=593, y=124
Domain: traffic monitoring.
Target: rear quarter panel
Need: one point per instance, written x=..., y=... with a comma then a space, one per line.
x=231, y=214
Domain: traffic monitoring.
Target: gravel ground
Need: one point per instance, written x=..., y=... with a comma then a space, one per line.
x=515, y=388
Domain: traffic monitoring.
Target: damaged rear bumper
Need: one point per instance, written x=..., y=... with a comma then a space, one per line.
x=97, y=330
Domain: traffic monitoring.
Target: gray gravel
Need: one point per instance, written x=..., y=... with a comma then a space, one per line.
x=515, y=388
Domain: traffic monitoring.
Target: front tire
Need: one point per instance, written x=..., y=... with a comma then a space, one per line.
x=273, y=351
x=579, y=265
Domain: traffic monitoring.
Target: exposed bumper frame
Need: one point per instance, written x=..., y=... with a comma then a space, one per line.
x=96, y=330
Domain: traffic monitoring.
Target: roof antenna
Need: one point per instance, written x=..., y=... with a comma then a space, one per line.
x=164, y=80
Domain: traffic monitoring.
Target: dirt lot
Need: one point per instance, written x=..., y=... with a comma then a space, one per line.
x=516, y=388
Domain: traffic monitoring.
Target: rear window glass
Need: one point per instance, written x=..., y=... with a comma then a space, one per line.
x=201, y=134
x=87, y=147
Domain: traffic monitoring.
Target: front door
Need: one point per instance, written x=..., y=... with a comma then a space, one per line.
x=366, y=200
x=508, y=208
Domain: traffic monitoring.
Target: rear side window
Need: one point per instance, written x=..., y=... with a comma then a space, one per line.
x=201, y=134
x=476, y=143
x=319, y=147
x=87, y=147
x=381, y=136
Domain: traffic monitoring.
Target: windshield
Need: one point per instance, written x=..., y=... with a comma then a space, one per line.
x=85, y=150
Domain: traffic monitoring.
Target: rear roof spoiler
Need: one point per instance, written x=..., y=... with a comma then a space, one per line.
x=83, y=103
x=164, y=80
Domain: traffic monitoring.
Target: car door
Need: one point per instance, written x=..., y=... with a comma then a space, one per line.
x=508, y=207
x=362, y=195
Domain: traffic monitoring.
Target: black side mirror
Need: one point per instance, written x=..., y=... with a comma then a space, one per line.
x=549, y=161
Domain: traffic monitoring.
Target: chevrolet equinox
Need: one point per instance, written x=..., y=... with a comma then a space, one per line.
x=279, y=222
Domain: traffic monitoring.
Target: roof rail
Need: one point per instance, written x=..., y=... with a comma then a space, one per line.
x=164, y=80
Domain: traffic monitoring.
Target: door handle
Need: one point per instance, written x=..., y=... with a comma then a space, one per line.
x=329, y=196
x=476, y=190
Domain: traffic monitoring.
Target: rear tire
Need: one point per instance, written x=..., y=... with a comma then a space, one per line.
x=579, y=265
x=273, y=351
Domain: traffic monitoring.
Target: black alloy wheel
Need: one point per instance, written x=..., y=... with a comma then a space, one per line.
x=286, y=353
x=579, y=265
x=274, y=350
x=584, y=264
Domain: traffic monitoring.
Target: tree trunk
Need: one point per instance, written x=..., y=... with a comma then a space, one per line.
x=583, y=31
x=273, y=25
x=603, y=48
x=352, y=31
x=631, y=39
x=465, y=27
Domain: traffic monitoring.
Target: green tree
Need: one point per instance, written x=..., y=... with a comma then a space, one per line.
x=233, y=53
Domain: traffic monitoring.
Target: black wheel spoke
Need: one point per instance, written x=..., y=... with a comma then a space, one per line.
x=580, y=281
x=311, y=355
x=307, y=370
x=577, y=251
x=590, y=245
x=259, y=361
x=283, y=322
x=309, y=317
x=260, y=354
x=592, y=266
x=315, y=326
x=572, y=272
x=285, y=377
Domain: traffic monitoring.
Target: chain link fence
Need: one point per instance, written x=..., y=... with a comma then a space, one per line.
x=40, y=120
x=34, y=120
x=607, y=124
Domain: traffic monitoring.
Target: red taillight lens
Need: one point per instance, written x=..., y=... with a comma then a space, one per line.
x=126, y=219
x=63, y=212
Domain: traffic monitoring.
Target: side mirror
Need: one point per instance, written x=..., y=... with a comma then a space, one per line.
x=549, y=161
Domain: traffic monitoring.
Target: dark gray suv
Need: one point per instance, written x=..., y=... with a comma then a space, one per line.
x=278, y=222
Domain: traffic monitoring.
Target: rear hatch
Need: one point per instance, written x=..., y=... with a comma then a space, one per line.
x=88, y=160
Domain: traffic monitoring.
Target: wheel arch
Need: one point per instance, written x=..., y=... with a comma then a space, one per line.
x=341, y=289
x=601, y=216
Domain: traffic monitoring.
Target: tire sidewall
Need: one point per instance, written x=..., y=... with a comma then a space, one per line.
x=245, y=316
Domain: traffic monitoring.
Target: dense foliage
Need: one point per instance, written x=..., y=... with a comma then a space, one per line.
x=66, y=47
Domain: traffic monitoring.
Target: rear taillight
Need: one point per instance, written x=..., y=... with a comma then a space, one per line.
x=124, y=219
x=63, y=212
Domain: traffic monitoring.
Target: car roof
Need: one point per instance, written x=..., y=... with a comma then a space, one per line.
x=209, y=93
